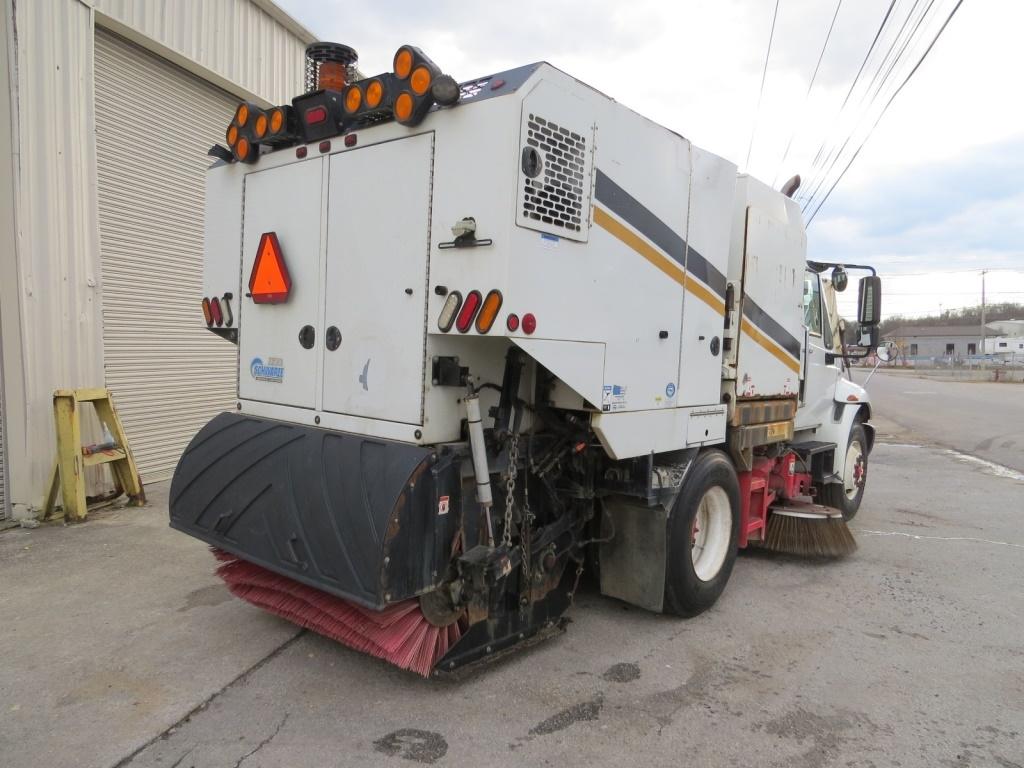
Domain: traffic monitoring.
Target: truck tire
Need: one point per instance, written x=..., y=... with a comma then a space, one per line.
x=846, y=495
x=703, y=530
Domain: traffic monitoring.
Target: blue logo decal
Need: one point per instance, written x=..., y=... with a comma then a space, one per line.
x=272, y=370
x=670, y=390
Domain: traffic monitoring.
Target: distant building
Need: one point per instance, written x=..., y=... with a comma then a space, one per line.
x=938, y=343
x=1009, y=328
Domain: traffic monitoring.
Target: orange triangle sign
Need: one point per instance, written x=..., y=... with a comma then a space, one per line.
x=269, y=282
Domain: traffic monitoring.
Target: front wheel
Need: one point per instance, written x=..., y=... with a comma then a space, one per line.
x=703, y=530
x=847, y=495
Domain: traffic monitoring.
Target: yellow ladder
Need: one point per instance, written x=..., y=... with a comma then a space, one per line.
x=68, y=476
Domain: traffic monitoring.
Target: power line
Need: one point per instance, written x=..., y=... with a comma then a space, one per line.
x=892, y=98
x=764, y=74
x=856, y=78
x=833, y=155
x=807, y=98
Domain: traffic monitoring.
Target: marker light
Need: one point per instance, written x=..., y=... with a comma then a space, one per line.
x=242, y=149
x=488, y=312
x=218, y=317
x=242, y=114
x=232, y=134
x=403, y=106
x=469, y=308
x=529, y=323
x=315, y=115
x=261, y=126
x=269, y=282
x=420, y=80
x=403, y=63
x=512, y=322
x=207, y=314
x=374, y=94
x=448, y=310
x=353, y=99
x=277, y=120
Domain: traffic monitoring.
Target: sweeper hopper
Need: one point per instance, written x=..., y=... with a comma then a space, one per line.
x=489, y=332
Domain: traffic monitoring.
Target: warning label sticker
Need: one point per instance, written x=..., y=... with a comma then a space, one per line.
x=613, y=398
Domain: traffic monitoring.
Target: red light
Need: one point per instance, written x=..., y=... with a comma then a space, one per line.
x=325, y=146
x=469, y=308
x=529, y=323
x=300, y=152
x=512, y=323
x=497, y=84
x=218, y=317
x=316, y=115
x=350, y=140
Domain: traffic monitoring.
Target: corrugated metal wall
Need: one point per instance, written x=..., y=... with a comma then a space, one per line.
x=3, y=456
x=235, y=38
x=57, y=240
x=168, y=374
x=58, y=271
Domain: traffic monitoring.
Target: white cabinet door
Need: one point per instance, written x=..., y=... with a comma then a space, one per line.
x=378, y=243
x=274, y=365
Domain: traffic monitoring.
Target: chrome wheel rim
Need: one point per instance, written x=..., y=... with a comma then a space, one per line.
x=712, y=529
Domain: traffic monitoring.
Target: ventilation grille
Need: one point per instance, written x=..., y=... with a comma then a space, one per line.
x=556, y=196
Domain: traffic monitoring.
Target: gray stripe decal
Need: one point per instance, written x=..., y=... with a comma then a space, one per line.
x=630, y=210
x=770, y=328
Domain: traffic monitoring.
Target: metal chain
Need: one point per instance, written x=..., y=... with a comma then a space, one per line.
x=510, y=487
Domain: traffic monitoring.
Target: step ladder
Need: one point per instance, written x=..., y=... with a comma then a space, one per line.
x=68, y=477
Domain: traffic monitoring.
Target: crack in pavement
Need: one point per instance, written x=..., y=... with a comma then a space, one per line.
x=187, y=753
x=124, y=761
x=939, y=538
x=263, y=743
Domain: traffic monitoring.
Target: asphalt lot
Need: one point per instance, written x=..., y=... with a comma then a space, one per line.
x=983, y=419
x=121, y=648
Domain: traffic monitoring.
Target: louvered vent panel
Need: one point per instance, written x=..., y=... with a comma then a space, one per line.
x=555, y=193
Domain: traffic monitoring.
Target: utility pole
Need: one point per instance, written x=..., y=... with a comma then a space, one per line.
x=982, y=350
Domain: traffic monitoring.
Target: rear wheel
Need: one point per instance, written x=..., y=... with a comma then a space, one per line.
x=703, y=530
x=847, y=495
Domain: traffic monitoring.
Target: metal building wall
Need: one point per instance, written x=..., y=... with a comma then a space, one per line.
x=57, y=336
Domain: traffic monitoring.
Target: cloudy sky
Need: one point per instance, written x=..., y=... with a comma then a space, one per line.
x=934, y=196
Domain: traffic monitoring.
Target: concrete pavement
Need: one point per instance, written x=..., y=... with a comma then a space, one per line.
x=121, y=649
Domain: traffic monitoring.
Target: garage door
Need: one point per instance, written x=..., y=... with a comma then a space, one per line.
x=154, y=124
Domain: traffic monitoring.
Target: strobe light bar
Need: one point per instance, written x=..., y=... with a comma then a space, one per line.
x=336, y=105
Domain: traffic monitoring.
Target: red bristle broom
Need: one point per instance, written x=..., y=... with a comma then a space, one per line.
x=400, y=634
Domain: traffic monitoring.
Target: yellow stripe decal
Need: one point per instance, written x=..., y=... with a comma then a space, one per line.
x=748, y=328
x=611, y=225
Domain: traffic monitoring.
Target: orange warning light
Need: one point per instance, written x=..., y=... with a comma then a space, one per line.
x=269, y=282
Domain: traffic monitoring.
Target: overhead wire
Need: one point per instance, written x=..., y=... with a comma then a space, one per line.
x=832, y=157
x=764, y=74
x=856, y=78
x=807, y=97
x=892, y=98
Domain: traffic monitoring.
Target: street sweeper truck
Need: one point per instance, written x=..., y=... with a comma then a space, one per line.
x=498, y=334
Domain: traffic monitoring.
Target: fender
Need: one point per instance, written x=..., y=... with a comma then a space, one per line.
x=851, y=403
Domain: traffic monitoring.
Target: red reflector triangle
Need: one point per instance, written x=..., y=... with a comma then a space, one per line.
x=269, y=282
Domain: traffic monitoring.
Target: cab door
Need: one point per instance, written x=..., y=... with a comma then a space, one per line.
x=820, y=371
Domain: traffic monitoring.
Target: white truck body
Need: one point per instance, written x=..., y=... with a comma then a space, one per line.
x=626, y=274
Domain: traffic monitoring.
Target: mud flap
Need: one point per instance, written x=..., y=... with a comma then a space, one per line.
x=368, y=520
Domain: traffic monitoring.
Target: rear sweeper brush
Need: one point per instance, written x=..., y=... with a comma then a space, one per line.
x=491, y=332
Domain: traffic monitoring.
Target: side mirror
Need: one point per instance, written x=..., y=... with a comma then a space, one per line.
x=869, y=304
x=840, y=279
x=868, y=336
x=887, y=352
